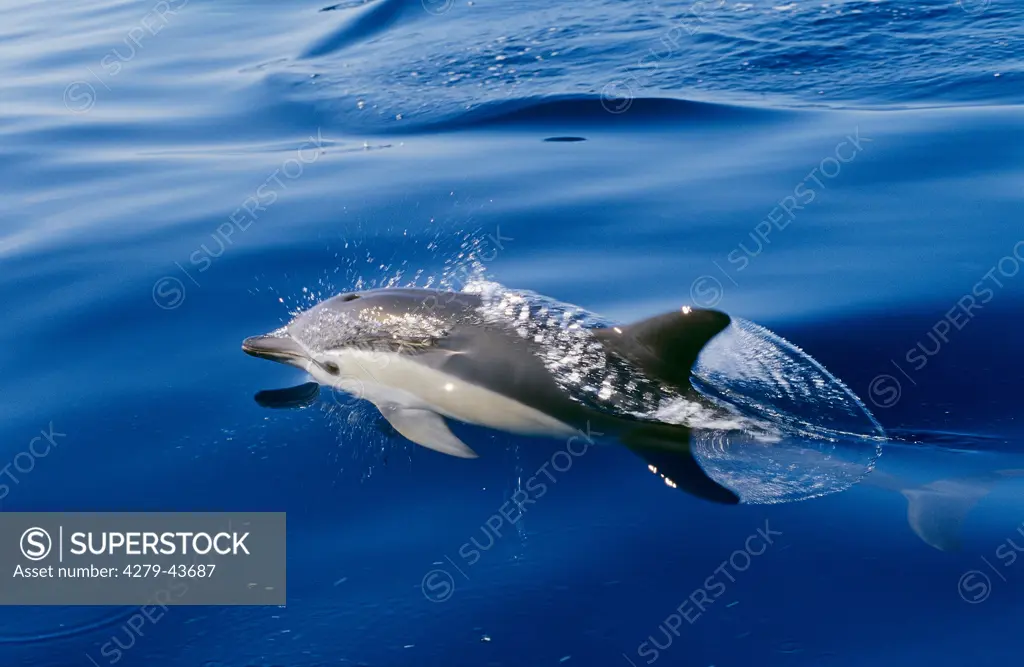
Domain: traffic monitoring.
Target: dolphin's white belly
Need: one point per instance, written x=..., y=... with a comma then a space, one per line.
x=386, y=378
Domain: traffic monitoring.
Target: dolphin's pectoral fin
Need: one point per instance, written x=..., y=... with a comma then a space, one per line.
x=426, y=428
x=301, y=396
x=667, y=449
x=666, y=346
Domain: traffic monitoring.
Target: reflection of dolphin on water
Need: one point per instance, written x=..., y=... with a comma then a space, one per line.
x=936, y=511
x=423, y=355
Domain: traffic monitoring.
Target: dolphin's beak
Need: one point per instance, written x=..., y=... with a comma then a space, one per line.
x=275, y=348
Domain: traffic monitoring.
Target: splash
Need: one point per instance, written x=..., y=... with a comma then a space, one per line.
x=563, y=337
x=804, y=434
x=769, y=421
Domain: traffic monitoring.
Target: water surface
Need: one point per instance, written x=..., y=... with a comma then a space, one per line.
x=180, y=175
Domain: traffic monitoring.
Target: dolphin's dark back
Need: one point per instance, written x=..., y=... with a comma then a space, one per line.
x=452, y=307
x=449, y=331
x=386, y=319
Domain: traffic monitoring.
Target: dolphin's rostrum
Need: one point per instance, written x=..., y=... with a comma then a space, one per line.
x=425, y=355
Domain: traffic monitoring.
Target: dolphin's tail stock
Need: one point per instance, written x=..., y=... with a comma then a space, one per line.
x=666, y=449
x=936, y=511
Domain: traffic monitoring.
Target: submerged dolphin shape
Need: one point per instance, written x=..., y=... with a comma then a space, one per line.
x=936, y=511
x=425, y=355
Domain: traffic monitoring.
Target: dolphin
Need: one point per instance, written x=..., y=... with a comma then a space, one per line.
x=423, y=356
x=936, y=511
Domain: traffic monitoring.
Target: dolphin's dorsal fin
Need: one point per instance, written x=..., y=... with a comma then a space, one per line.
x=426, y=428
x=666, y=346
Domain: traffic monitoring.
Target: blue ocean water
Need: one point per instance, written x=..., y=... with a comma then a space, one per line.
x=181, y=174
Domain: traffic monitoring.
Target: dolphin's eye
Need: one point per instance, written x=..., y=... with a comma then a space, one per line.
x=331, y=367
